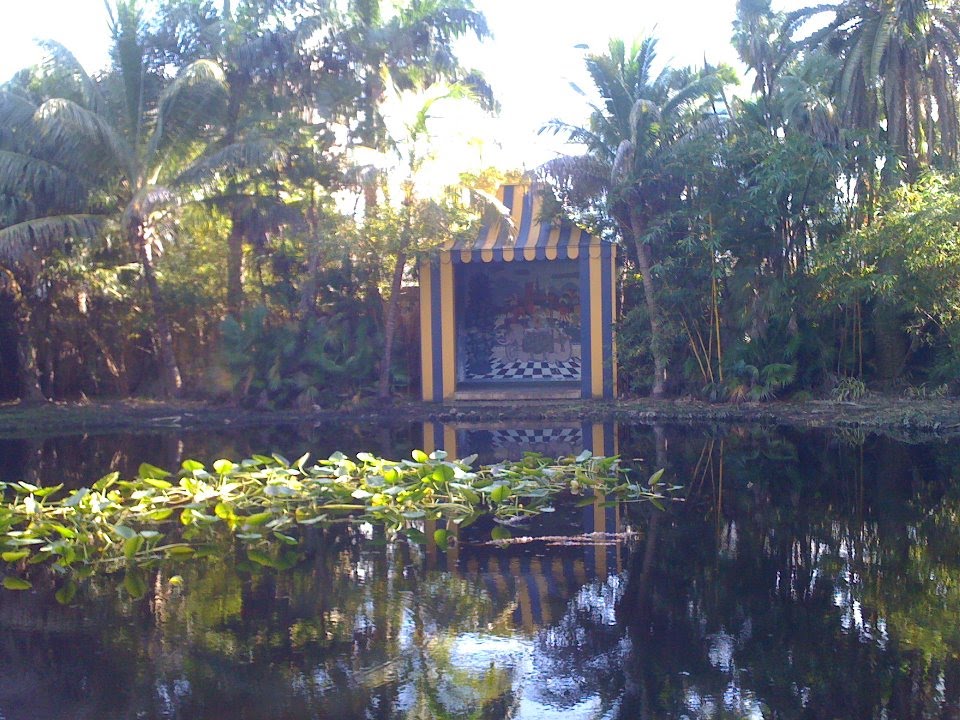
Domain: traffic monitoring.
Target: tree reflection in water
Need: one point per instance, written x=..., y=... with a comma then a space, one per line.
x=804, y=577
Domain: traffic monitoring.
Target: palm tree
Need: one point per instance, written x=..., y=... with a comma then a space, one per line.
x=410, y=49
x=897, y=64
x=147, y=137
x=42, y=191
x=631, y=169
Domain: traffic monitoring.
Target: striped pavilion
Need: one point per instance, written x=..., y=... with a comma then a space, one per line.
x=525, y=310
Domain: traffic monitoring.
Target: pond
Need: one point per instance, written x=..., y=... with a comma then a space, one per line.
x=803, y=575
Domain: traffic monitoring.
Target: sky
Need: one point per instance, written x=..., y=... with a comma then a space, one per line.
x=530, y=62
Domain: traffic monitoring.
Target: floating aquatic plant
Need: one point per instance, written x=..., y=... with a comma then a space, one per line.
x=263, y=504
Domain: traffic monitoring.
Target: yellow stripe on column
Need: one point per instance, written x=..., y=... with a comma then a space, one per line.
x=429, y=441
x=613, y=313
x=426, y=333
x=598, y=439
x=450, y=441
x=447, y=329
x=596, y=322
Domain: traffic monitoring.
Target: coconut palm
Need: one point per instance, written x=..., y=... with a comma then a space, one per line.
x=147, y=139
x=409, y=49
x=632, y=168
x=896, y=75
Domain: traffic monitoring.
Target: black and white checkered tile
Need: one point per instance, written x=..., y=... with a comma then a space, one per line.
x=539, y=436
x=531, y=370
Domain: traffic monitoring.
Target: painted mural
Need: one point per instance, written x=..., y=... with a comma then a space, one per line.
x=520, y=322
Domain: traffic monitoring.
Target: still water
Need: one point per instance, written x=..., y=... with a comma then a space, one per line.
x=803, y=575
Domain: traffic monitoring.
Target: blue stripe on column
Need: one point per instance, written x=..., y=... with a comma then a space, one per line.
x=585, y=334
x=606, y=292
x=436, y=331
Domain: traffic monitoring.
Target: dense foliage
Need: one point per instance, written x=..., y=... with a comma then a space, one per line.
x=198, y=218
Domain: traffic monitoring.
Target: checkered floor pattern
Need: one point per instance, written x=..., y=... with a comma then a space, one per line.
x=541, y=436
x=531, y=370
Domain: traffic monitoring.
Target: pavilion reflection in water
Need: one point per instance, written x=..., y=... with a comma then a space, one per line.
x=534, y=582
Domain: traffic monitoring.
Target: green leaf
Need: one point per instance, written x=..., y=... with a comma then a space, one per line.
x=222, y=467
x=132, y=546
x=106, y=481
x=420, y=456
x=500, y=493
x=584, y=456
x=157, y=483
x=134, y=584
x=125, y=532
x=67, y=593
x=256, y=519
x=180, y=551
x=14, y=555
x=440, y=537
x=500, y=533
x=152, y=472
x=260, y=557
x=192, y=465
x=15, y=583
x=443, y=473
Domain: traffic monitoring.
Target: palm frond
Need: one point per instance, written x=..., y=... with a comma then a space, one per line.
x=195, y=100
x=231, y=161
x=22, y=174
x=16, y=111
x=59, y=57
x=69, y=129
x=19, y=242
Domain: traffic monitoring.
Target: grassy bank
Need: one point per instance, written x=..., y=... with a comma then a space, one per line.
x=899, y=417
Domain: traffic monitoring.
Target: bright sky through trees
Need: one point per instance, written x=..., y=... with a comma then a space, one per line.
x=531, y=61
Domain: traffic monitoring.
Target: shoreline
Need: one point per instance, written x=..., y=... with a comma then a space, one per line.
x=906, y=419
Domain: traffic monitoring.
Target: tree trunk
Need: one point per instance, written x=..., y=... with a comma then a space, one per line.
x=28, y=374
x=170, y=371
x=235, y=261
x=390, y=326
x=658, y=345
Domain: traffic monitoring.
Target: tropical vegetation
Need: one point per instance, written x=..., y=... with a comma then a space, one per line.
x=203, y=218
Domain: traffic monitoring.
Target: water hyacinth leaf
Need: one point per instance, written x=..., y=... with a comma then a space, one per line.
x=44, y=491
x=132, y=546
x=260, y=557
x=419, y=456
x=14, y=583
x=256, y=519
x=366, y=457
x=134, y=584
x=76, y=498
x=500, y=533
x=67, y=593
x=13, y=555
x=469, y=460
x=500, y=493
x=180, y=551
x=440, y=537
x=438, y=455
x=158, y=483
x=125, y=532
x=192, y=466
x=584, y=456
x=443, y=473
x=222, y=467
x=147, y=471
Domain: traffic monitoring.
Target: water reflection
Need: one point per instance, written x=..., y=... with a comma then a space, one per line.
x=802, y=577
